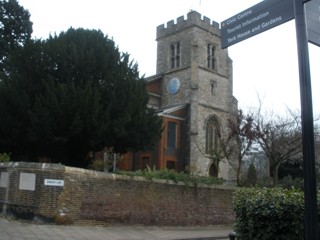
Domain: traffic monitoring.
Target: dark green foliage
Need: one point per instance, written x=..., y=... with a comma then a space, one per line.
x=290, y=182
x=5, y=157
x=72, y=94
x=269, y=213
x=97, y=165
x=293, y=168
x=15, y=30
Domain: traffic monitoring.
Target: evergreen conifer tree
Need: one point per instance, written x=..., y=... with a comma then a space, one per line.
x=71, y=94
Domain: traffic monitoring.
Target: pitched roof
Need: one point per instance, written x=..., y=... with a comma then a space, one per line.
x=168, y=111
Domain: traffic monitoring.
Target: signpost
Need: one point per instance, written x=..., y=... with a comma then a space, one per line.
x=266, y=15
x=310, y=188
x=313, y=21
x=257, y=19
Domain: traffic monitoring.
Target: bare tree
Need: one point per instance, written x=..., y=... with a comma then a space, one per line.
x=215, y=154
x=233, y=145
x=280, y=138
x=239, y=141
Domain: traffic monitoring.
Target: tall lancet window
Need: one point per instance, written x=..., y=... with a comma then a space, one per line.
x=211, y=56
x=175, y=55
x=172, y=135
x=212, y=135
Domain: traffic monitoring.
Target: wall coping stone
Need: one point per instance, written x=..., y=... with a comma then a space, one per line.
x=33, y=165
x=143, y=179
x=60, y=167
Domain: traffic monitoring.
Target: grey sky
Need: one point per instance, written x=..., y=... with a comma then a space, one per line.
x=264, y=65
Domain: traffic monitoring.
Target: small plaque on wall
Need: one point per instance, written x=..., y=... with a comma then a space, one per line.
x=54, y=182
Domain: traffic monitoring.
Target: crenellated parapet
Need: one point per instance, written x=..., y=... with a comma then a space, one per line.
x=193, y=19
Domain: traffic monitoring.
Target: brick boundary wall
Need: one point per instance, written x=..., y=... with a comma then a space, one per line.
x=40, y=191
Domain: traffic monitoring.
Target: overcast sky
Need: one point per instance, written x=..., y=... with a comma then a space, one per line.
x=264, y=65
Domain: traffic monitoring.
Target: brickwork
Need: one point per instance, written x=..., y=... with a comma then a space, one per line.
x=90, y=197
x=42, y=201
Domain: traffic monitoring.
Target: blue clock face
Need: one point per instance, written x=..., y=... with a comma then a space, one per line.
x=173, y=86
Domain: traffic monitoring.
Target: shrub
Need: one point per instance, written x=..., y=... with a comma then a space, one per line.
x=289, y=182
x=269, y=213
x=169, y=174
x=97, y=165
x=5, y=157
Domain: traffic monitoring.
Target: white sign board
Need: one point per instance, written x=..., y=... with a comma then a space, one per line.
x=54, y=182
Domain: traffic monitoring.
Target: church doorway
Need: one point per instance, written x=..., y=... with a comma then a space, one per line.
x=213, y=172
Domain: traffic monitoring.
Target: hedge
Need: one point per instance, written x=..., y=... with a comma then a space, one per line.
x=269, y=213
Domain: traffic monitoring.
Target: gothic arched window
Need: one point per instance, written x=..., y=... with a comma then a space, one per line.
x=212, y=134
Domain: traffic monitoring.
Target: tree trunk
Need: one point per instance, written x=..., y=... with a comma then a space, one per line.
x=238, y=173
x=275, y=174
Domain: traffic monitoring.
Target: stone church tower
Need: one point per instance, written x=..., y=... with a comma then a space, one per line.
x=192, y=91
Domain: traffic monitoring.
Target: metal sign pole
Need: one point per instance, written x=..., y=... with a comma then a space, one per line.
x=310, y=189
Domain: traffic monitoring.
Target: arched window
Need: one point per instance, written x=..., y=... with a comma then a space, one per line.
x=212, y=134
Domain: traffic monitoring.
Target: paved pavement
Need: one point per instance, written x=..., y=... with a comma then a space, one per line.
x=15, y=230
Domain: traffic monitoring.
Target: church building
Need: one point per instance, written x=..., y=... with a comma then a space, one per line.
x=192, y=91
